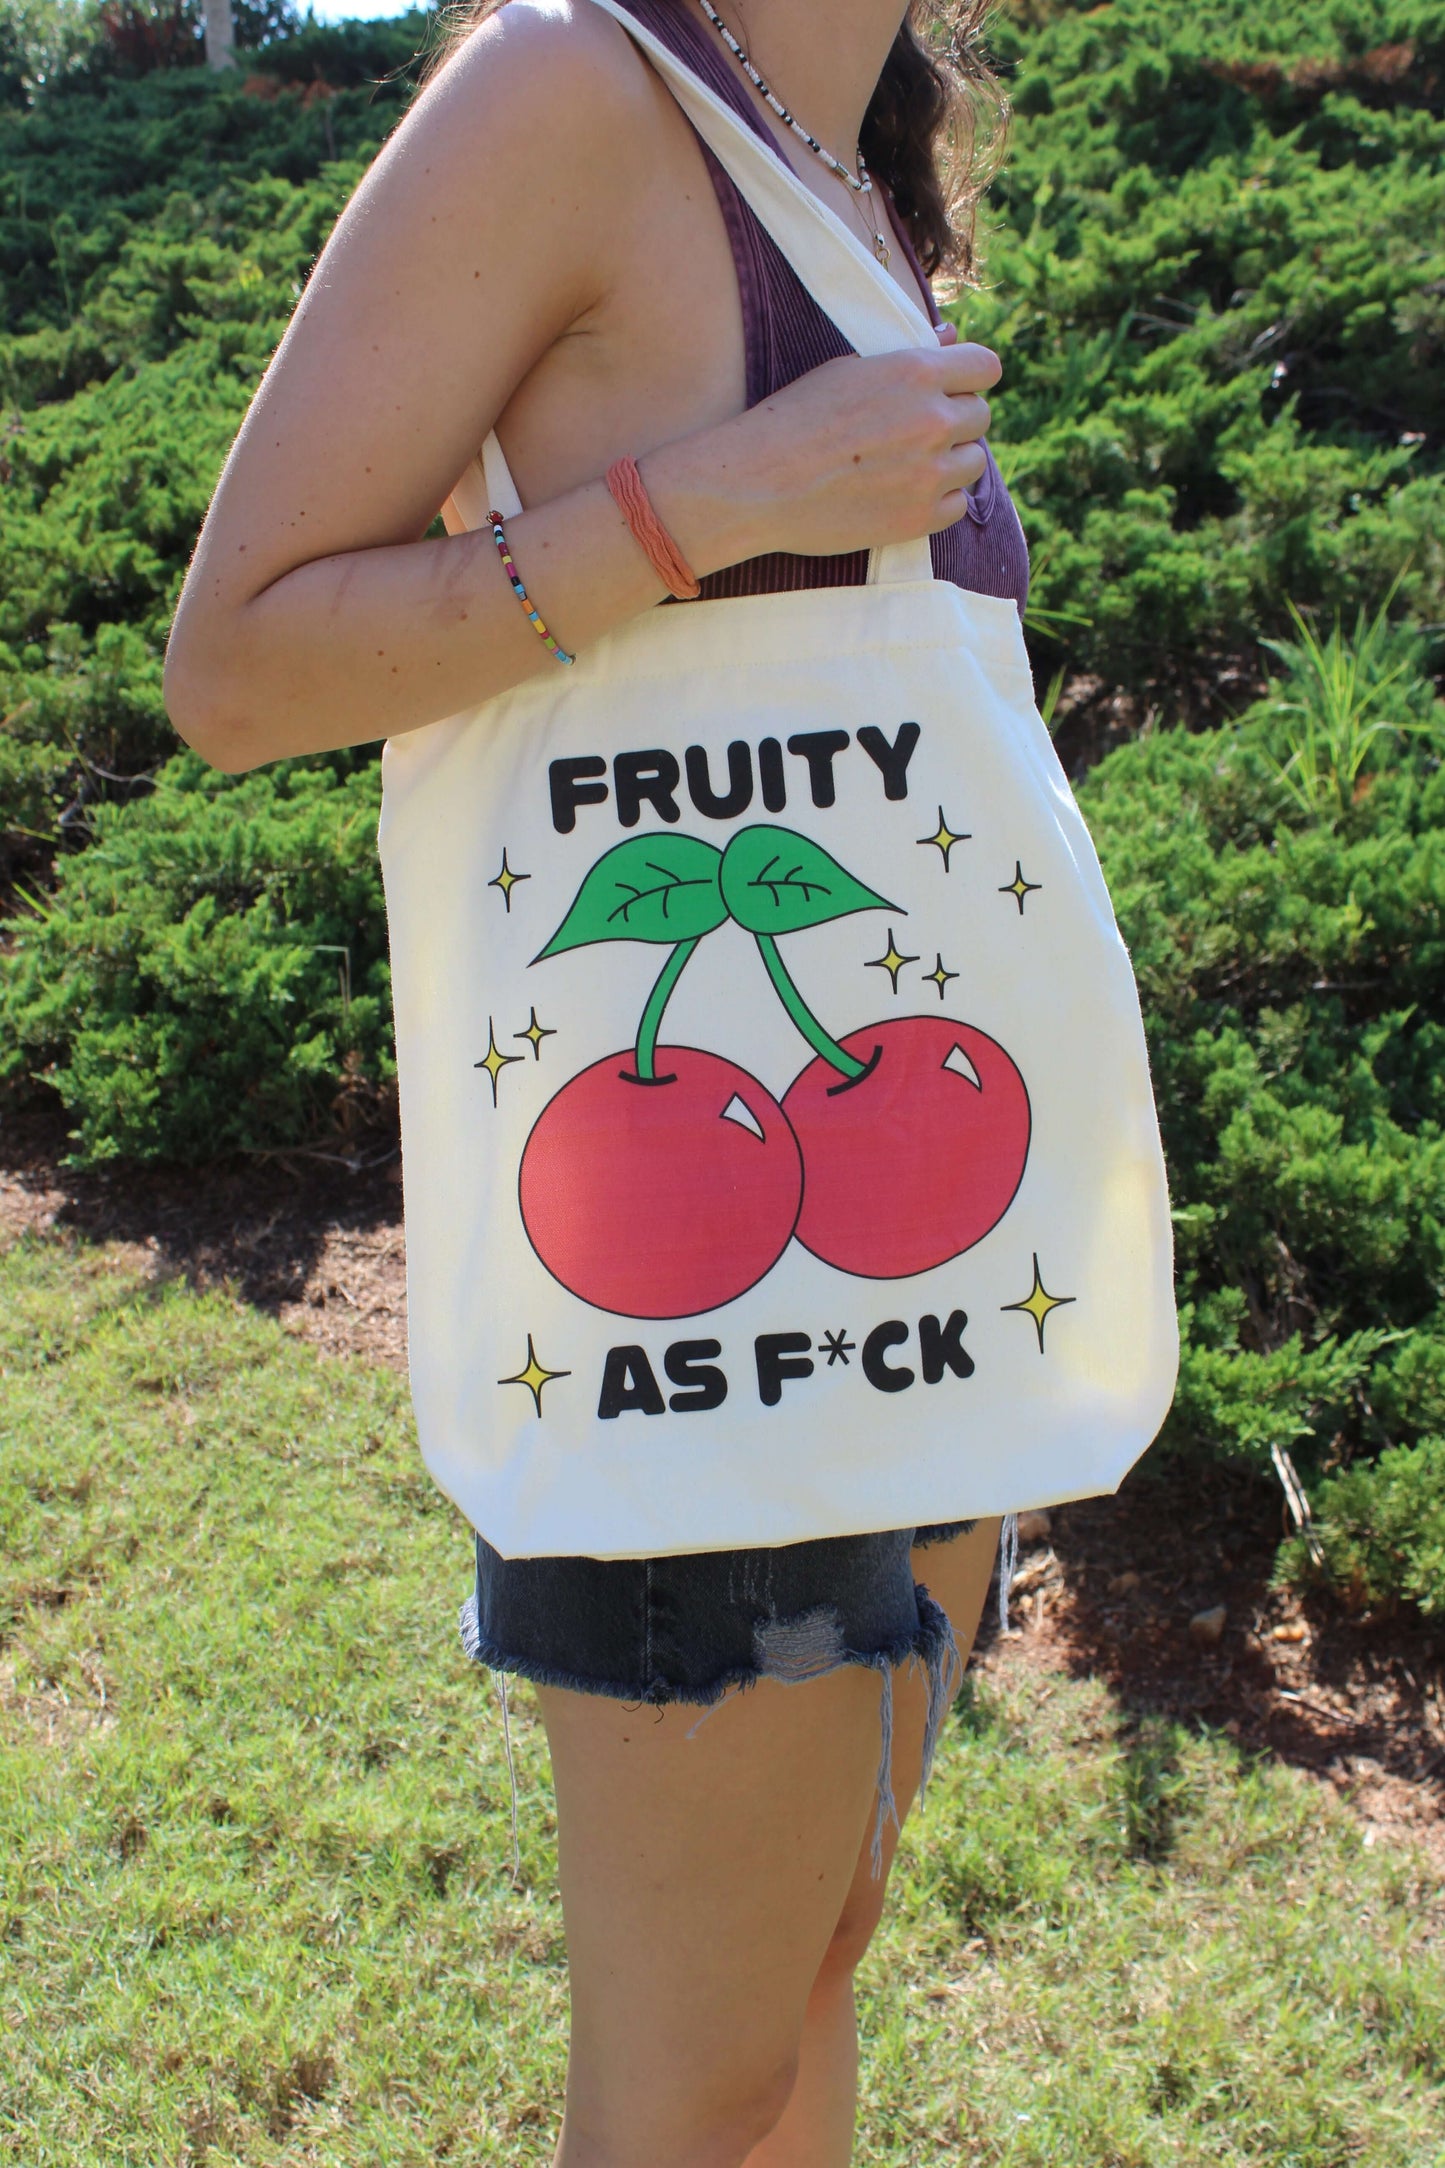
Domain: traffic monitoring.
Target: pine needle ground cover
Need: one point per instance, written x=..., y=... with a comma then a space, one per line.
x=255, y=1892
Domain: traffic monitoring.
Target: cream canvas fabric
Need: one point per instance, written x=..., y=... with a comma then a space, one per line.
x=779, y=1152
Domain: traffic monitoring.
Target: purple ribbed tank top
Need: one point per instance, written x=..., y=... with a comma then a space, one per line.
x=786, y=334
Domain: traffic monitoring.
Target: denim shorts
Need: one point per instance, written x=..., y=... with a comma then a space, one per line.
x=687, y=1628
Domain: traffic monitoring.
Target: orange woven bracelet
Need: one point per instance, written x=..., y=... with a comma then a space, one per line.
x=630, y=495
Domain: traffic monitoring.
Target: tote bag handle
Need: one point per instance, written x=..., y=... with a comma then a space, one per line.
x=846, y=280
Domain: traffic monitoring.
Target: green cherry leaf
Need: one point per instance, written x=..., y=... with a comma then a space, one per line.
x=650, y=888
x=774, y=881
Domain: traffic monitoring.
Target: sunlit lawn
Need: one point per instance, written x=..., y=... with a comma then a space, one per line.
x=255, y=1901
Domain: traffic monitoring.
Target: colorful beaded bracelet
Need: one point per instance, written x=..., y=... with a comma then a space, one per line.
x=520, y=591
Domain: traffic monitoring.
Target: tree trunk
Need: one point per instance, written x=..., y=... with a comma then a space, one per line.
x=216, y=15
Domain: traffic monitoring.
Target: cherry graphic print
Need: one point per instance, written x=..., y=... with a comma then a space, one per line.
x=665, y=1181
x=661, y=1198
x=913, y=1161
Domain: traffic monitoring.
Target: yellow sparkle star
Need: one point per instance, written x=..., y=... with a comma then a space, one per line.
x=1018, y=887
x=938, y=976
x=535, y=1375
x=494, y=1061
x=1039, y=1302
x=536, y=1033
x=506, y=880
x=892, y=963
x=945, y=839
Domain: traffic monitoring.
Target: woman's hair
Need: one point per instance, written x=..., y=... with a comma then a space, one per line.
x=934, y=128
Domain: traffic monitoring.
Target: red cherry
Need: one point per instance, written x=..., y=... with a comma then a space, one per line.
x=917, y=1159
x=661, y=1199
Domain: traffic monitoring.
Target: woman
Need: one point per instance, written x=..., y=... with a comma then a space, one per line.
x=544, y=244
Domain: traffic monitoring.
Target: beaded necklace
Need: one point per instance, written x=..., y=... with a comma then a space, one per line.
x=860, y=182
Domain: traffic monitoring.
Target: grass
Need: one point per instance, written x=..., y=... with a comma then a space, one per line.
x=1336, y=701
x=255, y=1903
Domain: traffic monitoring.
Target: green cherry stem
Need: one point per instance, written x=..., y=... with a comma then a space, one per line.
x=801, y=1014
x=657, y=1001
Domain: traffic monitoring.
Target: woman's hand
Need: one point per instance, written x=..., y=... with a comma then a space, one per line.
x=857, y=453
x=863, y=452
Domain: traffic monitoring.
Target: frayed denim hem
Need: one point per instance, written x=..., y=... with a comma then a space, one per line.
x=1007, y=1565
x=935, y=1648
x=941, y=1532
x=790, y=1650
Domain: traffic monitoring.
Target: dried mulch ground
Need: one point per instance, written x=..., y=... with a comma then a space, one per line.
x=1111, y=1590
x=1108, y=1589
x=313, y=1242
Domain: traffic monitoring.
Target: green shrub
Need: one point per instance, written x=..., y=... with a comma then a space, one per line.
x=128, y=412
x=1382, y=1530
x=1292, y=971
x=43, y=41
x=352, y=53
x=45, y=44
x=1215, y=262
x=210, y=975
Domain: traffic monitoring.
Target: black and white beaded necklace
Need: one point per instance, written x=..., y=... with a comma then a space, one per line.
x=860, y=182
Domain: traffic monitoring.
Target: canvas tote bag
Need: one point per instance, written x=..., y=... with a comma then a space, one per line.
x=779, y=1153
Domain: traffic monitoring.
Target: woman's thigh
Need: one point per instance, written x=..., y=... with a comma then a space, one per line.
x=702, y=1877
x=957, y=1575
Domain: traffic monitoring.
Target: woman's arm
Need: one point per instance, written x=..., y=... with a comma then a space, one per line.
x=313, y=613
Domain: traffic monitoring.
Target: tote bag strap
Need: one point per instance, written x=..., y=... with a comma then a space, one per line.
x=846, y=280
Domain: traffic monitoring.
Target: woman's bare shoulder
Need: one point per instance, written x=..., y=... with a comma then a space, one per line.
x=562, y=68
x=528, y=148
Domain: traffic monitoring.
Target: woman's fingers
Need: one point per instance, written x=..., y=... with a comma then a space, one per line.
x=969, y=464
x=966, y=367
x=969, y=418
x=912, y=421
x=963, y=470
x=968, y=371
